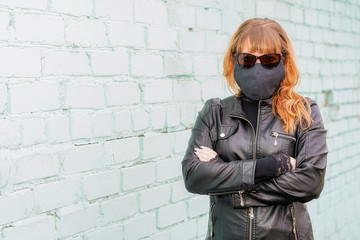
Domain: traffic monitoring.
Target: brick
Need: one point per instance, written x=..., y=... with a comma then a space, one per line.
x=316, y=34
x=85, y=95
x=19, y=62
x=4, y=25
x=159, y=145
x=122, y=150
x=173, y=116
x=264, y=8
x=324, y=20
x=191, y=41
x=147, y=221
x=83, y=158
x=102, y=124
x=158, y=118
x=162, y=38
x=144, y=10
x=15, y=206
x=281, y=10
x=53, y=195
x=206, y=65
x=211, y=89
x=181, y=141
x=38, y=227
x=85, y=33
x=113, y=9
x=171, y=214
x=208, y=19
x=66, y=63
x=122, y=121
x=178, y=64
x=58, y=128
x=109, y=233
x=42, y=165
x=188, y=115
x=186, y=230
x=216, y=42
x=163, y=235
x=158, y=91
x=146, y=64
x=140, y=119
x=303, y=32
x=178, y=191
x=181, y=16
x=33, y=4
x=126, y=34
x=80, y=125
x=102, y=184
x=118, y=94
x=168, y=169
x=3, y=97
x=296, y=14
x=131, y=179
x=80, y=7
x=127, y=206
x=76, y=218
x=311, y=17
x=202, y=225
x=186, y=90
x=9, y=132
x=31, y=97
x=197, y=206
x=154, y=197
x=33, y=131
x=40, y=28
x=110, y=63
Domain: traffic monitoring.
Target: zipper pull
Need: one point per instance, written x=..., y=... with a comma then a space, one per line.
x=241, y=198
x=251, y=213
x=275, y=134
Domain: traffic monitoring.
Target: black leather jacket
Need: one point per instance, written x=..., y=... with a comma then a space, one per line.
x=240, y=208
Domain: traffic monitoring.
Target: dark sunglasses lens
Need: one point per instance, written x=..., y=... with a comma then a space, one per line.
x=246, y=60
x=270, y=60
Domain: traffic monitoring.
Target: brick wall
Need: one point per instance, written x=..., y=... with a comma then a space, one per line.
x=98, y=97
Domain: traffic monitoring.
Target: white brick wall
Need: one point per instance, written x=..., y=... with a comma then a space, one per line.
x=98, y=98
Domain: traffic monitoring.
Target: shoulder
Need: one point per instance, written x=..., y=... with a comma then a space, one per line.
x=216, y=103
x=315, y=113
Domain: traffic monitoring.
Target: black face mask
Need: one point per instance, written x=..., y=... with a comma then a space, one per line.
x=259, y=83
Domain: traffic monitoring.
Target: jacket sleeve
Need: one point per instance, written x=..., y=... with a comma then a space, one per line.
x=306, y=181
x=213, y=177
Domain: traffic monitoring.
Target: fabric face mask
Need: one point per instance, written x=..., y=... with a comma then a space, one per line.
x=259, y=83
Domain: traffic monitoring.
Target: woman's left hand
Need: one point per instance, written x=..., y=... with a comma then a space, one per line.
x=205, y=153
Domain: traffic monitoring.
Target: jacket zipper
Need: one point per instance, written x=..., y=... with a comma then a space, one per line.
x=251, y=216
x=211, y=220
x=293, y=221
x=276, y=135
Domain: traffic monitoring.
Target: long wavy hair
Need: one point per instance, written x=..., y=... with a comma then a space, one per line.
x=267, y=36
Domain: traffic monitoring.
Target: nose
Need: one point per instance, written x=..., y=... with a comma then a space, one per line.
x=257, y=61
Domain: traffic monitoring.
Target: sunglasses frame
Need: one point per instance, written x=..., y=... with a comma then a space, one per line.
x=236, y=57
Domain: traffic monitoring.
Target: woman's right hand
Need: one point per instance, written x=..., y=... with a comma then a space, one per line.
x=293, y=162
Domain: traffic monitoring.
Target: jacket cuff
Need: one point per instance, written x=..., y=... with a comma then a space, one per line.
x=248, y=175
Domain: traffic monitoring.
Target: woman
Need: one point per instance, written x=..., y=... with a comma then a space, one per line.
x=261, y=153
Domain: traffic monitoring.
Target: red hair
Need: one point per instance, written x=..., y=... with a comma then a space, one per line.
x=265, y=35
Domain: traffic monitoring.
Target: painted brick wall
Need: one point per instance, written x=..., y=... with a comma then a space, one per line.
x=98, y=98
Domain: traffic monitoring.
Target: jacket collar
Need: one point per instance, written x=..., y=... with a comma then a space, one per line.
x=238, y=108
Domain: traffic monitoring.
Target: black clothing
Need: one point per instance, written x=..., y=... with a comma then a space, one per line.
x=239, y=207
x=267, y=167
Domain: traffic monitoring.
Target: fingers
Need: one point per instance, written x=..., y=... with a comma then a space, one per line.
x=205, y=153
x=293, y=162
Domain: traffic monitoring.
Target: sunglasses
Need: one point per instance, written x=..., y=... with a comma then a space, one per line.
x=247, y=60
